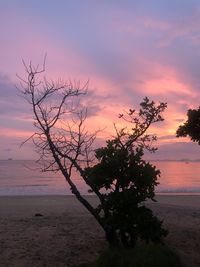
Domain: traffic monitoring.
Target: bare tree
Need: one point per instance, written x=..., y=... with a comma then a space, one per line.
x=61, y=139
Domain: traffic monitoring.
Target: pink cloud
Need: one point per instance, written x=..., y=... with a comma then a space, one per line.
x=165, y=80
x=8, y=132
x=151, y=23
x=187, y=28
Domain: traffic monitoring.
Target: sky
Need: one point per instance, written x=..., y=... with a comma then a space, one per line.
x=127, y=50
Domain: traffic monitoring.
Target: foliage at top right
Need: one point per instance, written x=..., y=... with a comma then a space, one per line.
x=191, y=127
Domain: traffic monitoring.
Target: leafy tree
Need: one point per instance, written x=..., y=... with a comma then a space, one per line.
x=116, y=173
x=128, y=180
x=191, y=127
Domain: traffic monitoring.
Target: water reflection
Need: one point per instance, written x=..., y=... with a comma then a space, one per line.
x=16, y=179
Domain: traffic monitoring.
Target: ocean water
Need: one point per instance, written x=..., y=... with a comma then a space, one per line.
x=24, y=178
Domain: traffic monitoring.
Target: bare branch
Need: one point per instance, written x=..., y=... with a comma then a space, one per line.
x=60, y=148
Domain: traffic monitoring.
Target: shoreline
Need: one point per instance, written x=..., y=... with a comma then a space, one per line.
x=67, y=235
x=189, y=200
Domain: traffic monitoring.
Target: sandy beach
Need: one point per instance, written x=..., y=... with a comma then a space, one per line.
x=67, y=235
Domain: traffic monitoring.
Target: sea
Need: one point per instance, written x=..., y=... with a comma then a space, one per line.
x=24, y=177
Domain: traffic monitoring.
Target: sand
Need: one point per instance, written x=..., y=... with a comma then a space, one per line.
x=67, y=235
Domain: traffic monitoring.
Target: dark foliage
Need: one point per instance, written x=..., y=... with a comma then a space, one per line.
x=128, y=181
x=191, y=127
x=141, y=256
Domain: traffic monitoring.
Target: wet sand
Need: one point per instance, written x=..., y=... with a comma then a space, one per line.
x=67, y=235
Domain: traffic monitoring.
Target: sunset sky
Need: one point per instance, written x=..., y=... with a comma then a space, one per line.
x=127, y=49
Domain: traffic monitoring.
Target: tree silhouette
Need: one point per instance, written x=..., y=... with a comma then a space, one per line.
x=191, y=127
x=128, y=179
x=116, y=173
